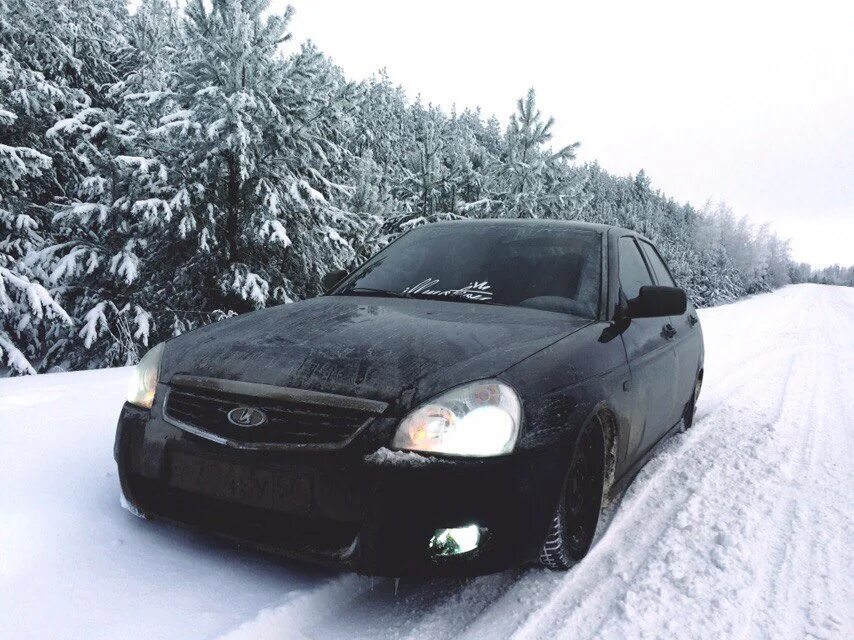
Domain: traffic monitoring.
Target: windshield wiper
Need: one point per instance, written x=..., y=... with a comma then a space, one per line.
x=443, y=298
x=370, y=291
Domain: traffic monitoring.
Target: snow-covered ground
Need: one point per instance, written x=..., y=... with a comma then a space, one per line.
x=742, y=527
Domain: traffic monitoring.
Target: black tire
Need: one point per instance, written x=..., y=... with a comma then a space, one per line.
x=691, y=406
x=576, y=518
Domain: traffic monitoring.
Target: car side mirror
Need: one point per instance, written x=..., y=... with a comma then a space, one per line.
x=332, y=278
x=654, y=302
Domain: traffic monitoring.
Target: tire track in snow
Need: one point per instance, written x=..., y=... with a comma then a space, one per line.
x=785, y=605
x=302, y=609
x=581, y=610
x=587, y=582
x=827, y=610
x=378, y=608
x=771, y=578
x=453, y=617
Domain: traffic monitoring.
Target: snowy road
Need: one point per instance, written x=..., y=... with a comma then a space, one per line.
x=742, y=528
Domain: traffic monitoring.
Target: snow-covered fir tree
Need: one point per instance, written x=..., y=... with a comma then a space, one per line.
x=534, y=176
x=42, y=80
x=208, y=192
x=26, y=305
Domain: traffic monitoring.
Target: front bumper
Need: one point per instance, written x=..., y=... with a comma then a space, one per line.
x=369, y=513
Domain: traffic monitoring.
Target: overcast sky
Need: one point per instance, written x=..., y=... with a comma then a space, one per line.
x=750, y=102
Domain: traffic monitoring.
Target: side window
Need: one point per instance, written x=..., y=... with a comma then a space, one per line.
x=633, y=271
x=658, y=267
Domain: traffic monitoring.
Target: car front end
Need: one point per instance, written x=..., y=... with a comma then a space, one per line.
x=378, y=427
x=440, y=489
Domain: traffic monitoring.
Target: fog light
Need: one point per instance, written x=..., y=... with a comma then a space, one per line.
x=452, y=542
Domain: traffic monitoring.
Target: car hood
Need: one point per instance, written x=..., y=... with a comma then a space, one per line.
x=401, y=351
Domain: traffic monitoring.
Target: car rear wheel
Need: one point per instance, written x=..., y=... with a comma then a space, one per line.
x=574, y=524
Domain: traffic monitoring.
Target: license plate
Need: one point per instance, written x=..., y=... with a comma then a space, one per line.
x=268, y=489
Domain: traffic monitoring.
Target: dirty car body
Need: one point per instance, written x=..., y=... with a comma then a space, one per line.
x=310, y=429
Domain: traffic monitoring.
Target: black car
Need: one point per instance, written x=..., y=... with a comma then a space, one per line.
x=462, y=403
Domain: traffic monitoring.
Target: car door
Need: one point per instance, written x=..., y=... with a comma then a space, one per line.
x=649, y=351
x=687, y=341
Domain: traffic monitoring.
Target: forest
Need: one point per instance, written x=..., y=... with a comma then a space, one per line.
x=171, y=166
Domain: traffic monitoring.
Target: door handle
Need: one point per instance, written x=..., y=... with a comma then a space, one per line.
x=692, y=319
x=668, y=332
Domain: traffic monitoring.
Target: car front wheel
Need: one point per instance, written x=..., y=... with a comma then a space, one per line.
x=574, y=524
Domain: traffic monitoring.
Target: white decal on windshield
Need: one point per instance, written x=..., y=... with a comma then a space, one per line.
x=474, y=290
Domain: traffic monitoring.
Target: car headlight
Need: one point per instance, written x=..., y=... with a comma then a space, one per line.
x=477, y=419
x=144, y=380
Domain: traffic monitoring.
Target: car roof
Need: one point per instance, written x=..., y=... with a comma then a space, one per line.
x=537, y=222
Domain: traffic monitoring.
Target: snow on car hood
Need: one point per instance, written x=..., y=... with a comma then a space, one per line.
x=398, y=350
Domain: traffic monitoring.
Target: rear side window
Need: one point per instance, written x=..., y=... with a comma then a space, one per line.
x=658, y=266
x=633, y=271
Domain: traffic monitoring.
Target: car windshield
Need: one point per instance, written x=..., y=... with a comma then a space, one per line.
x=540, y=266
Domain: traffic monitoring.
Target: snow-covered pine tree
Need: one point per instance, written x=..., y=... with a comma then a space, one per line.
x=776, y=258
x=26, y=305
x=476, y=184
x=208, y=191
x=834, y=274
x=383, y=125
x=254, y=135
x=425, y=157
x=533, y=174
x=99, y=228
x=44, y=66
x=465, y=160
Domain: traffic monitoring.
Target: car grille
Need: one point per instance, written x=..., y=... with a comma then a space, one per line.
x=288, y=422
